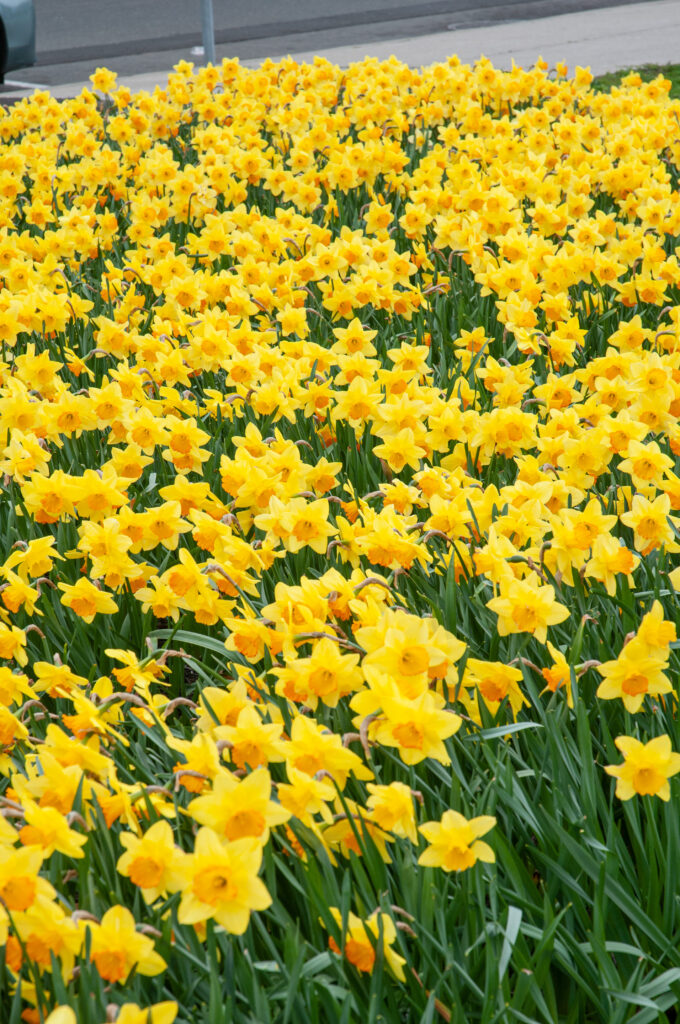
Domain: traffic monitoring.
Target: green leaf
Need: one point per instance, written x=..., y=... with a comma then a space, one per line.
x=512, y=927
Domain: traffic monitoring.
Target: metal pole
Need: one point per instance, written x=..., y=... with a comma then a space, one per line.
x=208, y=31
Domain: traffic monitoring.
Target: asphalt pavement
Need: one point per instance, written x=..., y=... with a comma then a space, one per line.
x=142, y=39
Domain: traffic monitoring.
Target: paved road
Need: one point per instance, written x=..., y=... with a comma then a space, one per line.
x=134, y=36
x=68, y=26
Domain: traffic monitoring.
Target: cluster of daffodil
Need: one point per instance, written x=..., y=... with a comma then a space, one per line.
x=333, y=406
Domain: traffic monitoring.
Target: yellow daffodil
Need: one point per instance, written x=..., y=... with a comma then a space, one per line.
x=362, y=938
x=646, y=767
x=220, y=881
x=454, y=842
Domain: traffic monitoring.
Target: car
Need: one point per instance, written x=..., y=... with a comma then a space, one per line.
x=17, y=35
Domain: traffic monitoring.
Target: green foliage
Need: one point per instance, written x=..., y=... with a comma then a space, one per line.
x=647, y=72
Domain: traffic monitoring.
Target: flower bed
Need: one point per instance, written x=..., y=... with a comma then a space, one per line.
x=339, y=437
